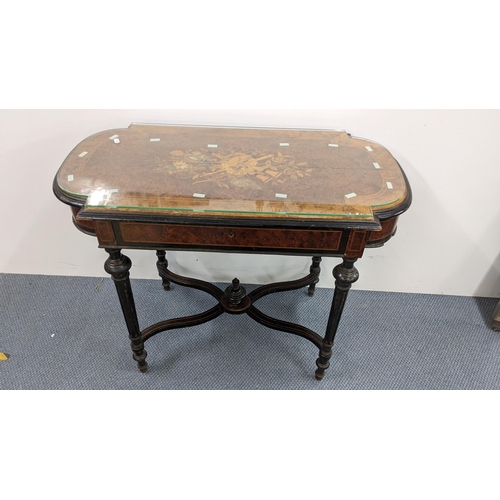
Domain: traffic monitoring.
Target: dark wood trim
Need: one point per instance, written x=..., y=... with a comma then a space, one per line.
x=65, y=197
x=402, y=207
x=372, y=224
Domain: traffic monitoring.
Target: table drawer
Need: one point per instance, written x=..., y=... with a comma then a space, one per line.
x=215, y=236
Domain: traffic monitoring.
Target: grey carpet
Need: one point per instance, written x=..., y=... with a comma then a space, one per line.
x=64, y=333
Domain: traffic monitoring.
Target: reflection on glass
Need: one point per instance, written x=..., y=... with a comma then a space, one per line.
x=232, y=171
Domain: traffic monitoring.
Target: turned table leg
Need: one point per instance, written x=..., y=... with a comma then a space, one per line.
x=345, y=275
x=163, y=262
x=118, y=266
x=314, y=269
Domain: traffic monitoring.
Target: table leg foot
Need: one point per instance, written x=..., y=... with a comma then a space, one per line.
x=345, y=275
x=163, y=262
x=323, y=362
x=314, y=269
x=139, y=354
x=144, y=367
x=118, y=266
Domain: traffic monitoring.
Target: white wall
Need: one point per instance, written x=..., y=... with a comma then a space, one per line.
x=448, y=242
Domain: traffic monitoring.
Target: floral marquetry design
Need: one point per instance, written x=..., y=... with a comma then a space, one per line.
x=235, y=169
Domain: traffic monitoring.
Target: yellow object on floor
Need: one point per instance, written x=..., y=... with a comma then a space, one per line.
x=3, y=356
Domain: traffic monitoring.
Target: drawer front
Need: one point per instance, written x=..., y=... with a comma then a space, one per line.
x=213, y=236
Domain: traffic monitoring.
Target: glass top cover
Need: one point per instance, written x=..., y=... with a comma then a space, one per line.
x=232, y=171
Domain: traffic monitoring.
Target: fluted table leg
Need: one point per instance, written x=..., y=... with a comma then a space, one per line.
x=118, y=266
x=345, y=275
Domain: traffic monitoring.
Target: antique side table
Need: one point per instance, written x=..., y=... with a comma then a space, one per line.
x=289, y=192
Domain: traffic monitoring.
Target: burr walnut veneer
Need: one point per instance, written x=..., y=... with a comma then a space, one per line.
x=290, y=192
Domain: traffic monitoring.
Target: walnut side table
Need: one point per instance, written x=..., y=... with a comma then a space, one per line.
x=288, y=192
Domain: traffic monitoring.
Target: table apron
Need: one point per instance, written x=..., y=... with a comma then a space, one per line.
x=339, y=242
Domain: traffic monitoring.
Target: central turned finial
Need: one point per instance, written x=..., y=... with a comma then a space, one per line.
x=235, y=292
x=235, y=299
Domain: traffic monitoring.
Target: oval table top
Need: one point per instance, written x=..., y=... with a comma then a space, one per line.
x=190, y=171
